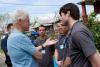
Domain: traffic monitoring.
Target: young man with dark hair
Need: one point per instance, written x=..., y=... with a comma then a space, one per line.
x=47, y=60
x=59, y=48
x=9, y=26
x=80, y=40
x=4, y=45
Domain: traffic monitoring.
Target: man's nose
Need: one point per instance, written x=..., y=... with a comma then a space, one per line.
x=41, y=31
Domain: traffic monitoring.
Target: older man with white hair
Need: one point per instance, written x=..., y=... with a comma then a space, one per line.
x=20, y=49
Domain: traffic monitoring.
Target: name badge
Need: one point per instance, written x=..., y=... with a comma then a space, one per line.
x=61, y=46
x=43, y=51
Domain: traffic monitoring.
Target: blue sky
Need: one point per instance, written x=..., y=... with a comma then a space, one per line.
x=39, y=8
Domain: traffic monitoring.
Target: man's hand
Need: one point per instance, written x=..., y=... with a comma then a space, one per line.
x=59, y=63
x=67, y=62
x=49, y=42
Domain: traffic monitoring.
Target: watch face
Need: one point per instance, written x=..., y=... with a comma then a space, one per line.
x=43, y=51
x=61, y=46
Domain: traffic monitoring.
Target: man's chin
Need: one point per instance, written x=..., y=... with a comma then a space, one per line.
x=65, y=23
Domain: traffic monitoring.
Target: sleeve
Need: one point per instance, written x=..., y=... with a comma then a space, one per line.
x=57, y=45
x=26, y=45
x=4, y=44
x=84, y=43
x=36, y=42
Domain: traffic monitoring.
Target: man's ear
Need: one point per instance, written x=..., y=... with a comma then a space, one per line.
x=68, y=13
x=19, y=21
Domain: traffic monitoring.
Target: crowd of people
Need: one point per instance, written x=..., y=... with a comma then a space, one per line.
x=73, y=47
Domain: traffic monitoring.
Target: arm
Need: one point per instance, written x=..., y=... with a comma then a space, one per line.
x=56, y=54
x=86, y=44
x=38, y=54
x=95, y=60
x=56, y=57
x=46, y=44
x=30, y=48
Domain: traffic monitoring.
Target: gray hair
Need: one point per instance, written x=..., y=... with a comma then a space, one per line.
x=20, y=14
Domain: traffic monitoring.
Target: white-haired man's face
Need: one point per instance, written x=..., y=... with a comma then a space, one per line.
x=24, y=24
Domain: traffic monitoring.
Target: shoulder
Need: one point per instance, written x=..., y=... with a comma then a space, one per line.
x=80, y=28
x=16, y=37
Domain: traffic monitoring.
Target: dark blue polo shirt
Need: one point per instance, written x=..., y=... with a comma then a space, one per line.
x=60, y=47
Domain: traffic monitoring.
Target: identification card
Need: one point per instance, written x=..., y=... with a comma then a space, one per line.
x=43, y=51
x=61, y=46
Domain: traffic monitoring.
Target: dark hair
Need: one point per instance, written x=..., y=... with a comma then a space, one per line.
x=74, y=10
x=9, y=26
x=41, y=26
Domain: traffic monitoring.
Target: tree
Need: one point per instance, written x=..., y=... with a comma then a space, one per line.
x=94, y=26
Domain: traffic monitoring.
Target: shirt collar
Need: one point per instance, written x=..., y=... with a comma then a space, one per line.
x=15, y=31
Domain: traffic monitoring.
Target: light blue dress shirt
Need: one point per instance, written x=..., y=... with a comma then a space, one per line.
x=21, y=50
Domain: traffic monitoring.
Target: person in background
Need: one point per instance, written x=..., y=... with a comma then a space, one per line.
x=4, y=45
x=47, y=60
x=59, y=47
x=82, y=50
x=20, y=48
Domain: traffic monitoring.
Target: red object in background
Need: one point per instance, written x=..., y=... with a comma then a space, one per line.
x=84, y=13
x=97, y=7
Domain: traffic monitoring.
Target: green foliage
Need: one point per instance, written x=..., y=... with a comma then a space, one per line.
x=53, y=36
x=94, y=26
x=91, y=18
